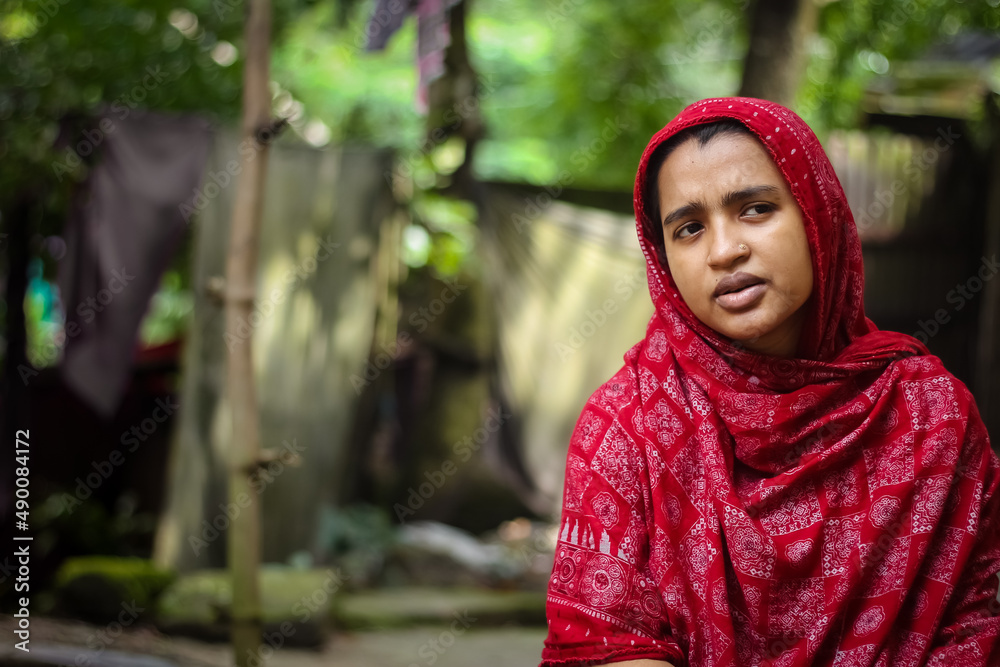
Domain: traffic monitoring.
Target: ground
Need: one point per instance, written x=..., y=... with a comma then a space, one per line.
x=73, y=643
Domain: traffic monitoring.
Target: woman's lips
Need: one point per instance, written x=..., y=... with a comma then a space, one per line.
x=742, y=299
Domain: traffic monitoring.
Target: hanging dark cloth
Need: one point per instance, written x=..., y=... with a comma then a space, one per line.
x=122, y=231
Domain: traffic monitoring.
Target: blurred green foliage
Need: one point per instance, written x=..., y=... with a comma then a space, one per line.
x=863, y=39
x=169, y=311
x=572, y=89
x=574, y=85
x=95, y=587
x=60, y=58
x=575, y=88
x=357, y=538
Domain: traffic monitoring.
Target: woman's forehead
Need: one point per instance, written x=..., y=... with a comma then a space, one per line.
x=694, y=172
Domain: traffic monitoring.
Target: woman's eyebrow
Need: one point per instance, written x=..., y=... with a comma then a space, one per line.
x=728, y=200
x=683, y=212
x=748, y=193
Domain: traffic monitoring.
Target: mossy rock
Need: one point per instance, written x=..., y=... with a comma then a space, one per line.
x=101, y=588
x=295, y=603
x=416, y=605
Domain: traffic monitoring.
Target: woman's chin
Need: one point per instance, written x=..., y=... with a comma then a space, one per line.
x=757, y=339
x=745, y=333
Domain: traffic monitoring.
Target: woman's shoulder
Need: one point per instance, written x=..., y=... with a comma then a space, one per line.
x=616, y=400
x=927, y=386
x=940, y=412
x=618, y=392
x=919, y=365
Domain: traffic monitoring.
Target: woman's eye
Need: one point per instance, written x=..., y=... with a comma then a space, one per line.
x=758, y=209
x=687, y=230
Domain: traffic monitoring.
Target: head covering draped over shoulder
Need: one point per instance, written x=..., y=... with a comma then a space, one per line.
x=724, y=507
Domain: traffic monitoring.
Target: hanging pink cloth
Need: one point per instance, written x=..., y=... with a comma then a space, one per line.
x=433, y=36
x=723, y=507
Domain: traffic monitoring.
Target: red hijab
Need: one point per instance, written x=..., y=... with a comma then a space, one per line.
x=723, y=507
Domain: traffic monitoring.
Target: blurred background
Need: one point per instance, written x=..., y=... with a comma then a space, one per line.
x=446, y=269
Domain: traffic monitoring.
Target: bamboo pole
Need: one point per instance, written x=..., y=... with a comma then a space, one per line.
x=244, y=541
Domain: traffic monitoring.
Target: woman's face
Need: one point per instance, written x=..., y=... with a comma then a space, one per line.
x=735, y=241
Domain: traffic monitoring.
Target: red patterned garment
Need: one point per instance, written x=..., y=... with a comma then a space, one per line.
x=723, y=507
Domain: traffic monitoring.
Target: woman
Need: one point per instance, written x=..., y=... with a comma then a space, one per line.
x=770, y=479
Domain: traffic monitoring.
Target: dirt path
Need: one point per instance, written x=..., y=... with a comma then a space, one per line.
x=72, y=643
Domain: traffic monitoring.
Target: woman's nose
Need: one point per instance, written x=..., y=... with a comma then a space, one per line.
x=725, y=246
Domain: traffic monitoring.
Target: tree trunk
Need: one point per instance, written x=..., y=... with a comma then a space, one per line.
x=241, y=272
x=454, y=105
x=776, y=57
